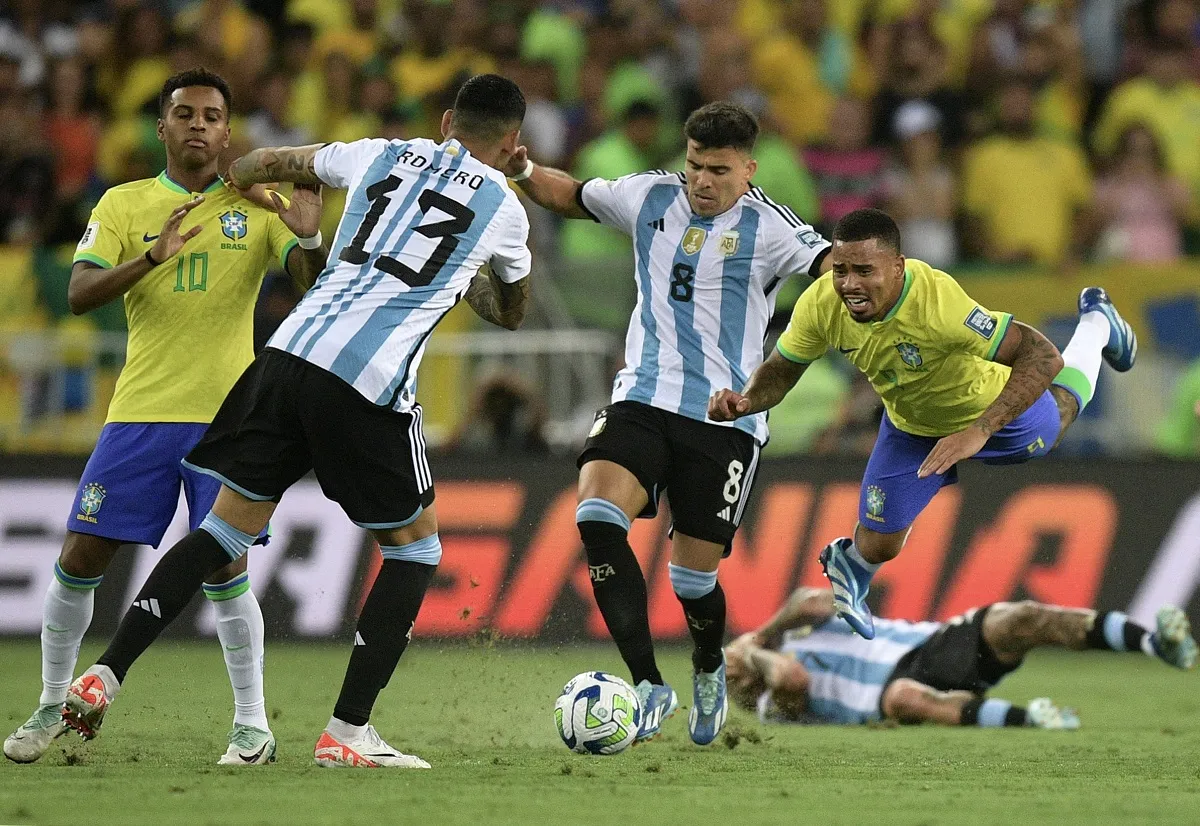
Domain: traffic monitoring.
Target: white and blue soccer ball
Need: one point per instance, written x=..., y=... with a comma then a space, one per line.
x=597, y=713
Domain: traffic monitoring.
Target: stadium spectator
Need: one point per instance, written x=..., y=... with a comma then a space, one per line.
x=71, y=126
x=1178, y=433
x=505, y=419
x=1025, y=196
x=1140, y=206
x=804, y=665
x=920, y=187
x=1052, y=61
x=268, y=124
x=26, y=167
x=595, y=279
x=237, y=38
x=916, y=69
x=1165, y=99
x=848, y=171
x=431, y=62
x=804, y=67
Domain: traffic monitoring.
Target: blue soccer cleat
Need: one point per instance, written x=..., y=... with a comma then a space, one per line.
x=658, y=702
x=710, y=705
x=1121, y=350
x=850, y=585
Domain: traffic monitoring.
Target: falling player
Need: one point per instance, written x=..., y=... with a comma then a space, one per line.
x=957, y=381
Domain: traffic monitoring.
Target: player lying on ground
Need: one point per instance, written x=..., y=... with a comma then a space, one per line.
x=334, y=389
x=807, y=665
x=189, y=295
x=710, y=254
x=957, y=381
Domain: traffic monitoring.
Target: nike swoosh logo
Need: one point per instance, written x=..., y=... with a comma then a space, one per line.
x=844, y=350
x=148, y=238
x=253, y=757
x=236, y=647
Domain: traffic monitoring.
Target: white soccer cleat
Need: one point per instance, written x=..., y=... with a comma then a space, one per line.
x=368, y=751
x=1043, y=713
x=1172, y=638
x=30, y=741
x=248, y=746
x=88, y=700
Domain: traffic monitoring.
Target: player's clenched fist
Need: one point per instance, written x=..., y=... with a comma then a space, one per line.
x=726, y=405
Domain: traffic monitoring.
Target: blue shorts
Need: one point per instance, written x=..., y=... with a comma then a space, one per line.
x=130, y=487
x=892, y=496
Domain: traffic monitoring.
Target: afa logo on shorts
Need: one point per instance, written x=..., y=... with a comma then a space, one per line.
x=875, y=500
x=90, y=501
x=910, y=354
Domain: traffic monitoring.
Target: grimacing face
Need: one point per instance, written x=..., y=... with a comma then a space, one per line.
x=868, y=276
x=195, y=126
x=716, y=178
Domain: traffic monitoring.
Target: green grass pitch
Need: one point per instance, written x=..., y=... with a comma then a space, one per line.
x=482, y=715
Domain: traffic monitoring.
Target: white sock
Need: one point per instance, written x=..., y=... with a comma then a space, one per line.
x=1081, y=358
x=66, y=615
x=343, y=732
x=854, y=553
x=240, y=630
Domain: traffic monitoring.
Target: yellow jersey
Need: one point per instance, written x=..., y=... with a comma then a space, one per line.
x=191, y=319
x=930, y=358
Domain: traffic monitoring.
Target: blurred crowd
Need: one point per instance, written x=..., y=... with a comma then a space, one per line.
x=1042, y=133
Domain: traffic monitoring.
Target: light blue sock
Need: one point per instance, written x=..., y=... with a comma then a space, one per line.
x=427, y=551
x=235, y=543
x=689, y=583
x=993, y=713
x=601, y=510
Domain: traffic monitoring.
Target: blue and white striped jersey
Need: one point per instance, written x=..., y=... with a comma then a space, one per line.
x=846, y=672
x=706, y=288
x=421, y=218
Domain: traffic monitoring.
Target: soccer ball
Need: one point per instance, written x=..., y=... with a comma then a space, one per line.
x=597, y=713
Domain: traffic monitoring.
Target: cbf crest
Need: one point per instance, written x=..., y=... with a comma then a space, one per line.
x=693, y=240
x=875, y=500
x=234, y=225
x=90, y=501
x=910, y=354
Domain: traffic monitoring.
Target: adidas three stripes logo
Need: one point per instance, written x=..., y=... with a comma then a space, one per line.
x=150, y=605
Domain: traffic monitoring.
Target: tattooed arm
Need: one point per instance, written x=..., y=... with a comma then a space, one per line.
x=273, y=164
x=1035, y=361
x=497, y=302
x=766, y=388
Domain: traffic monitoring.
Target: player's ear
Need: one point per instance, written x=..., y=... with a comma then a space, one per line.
x=161, y=130
x=447, y=116
x=751, y=168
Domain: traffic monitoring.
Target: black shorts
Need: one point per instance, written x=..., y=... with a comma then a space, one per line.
x=706, y=470
x=955, y=658
x=285, y=417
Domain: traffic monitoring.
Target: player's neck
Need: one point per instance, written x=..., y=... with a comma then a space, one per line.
x=193, y=180
x=489, y=154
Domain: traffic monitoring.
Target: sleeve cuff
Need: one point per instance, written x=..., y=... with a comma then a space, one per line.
x=91, y=258
x=789, y=356
x=1001, y=331
x=814, y=270
x=287, y=248
x=582, y=205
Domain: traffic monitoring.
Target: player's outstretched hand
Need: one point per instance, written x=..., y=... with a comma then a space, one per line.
x=951, y=450
x=303, y=215
x=516, y=163
x=726, y=405
x=170, y=240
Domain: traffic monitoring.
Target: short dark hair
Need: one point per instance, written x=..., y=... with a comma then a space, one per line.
x=865, y=224
x=721, y=124
x=487, y=106
x=195, y=77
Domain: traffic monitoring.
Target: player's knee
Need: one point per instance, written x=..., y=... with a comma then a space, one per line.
x=905, y=700
x=426, y=551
